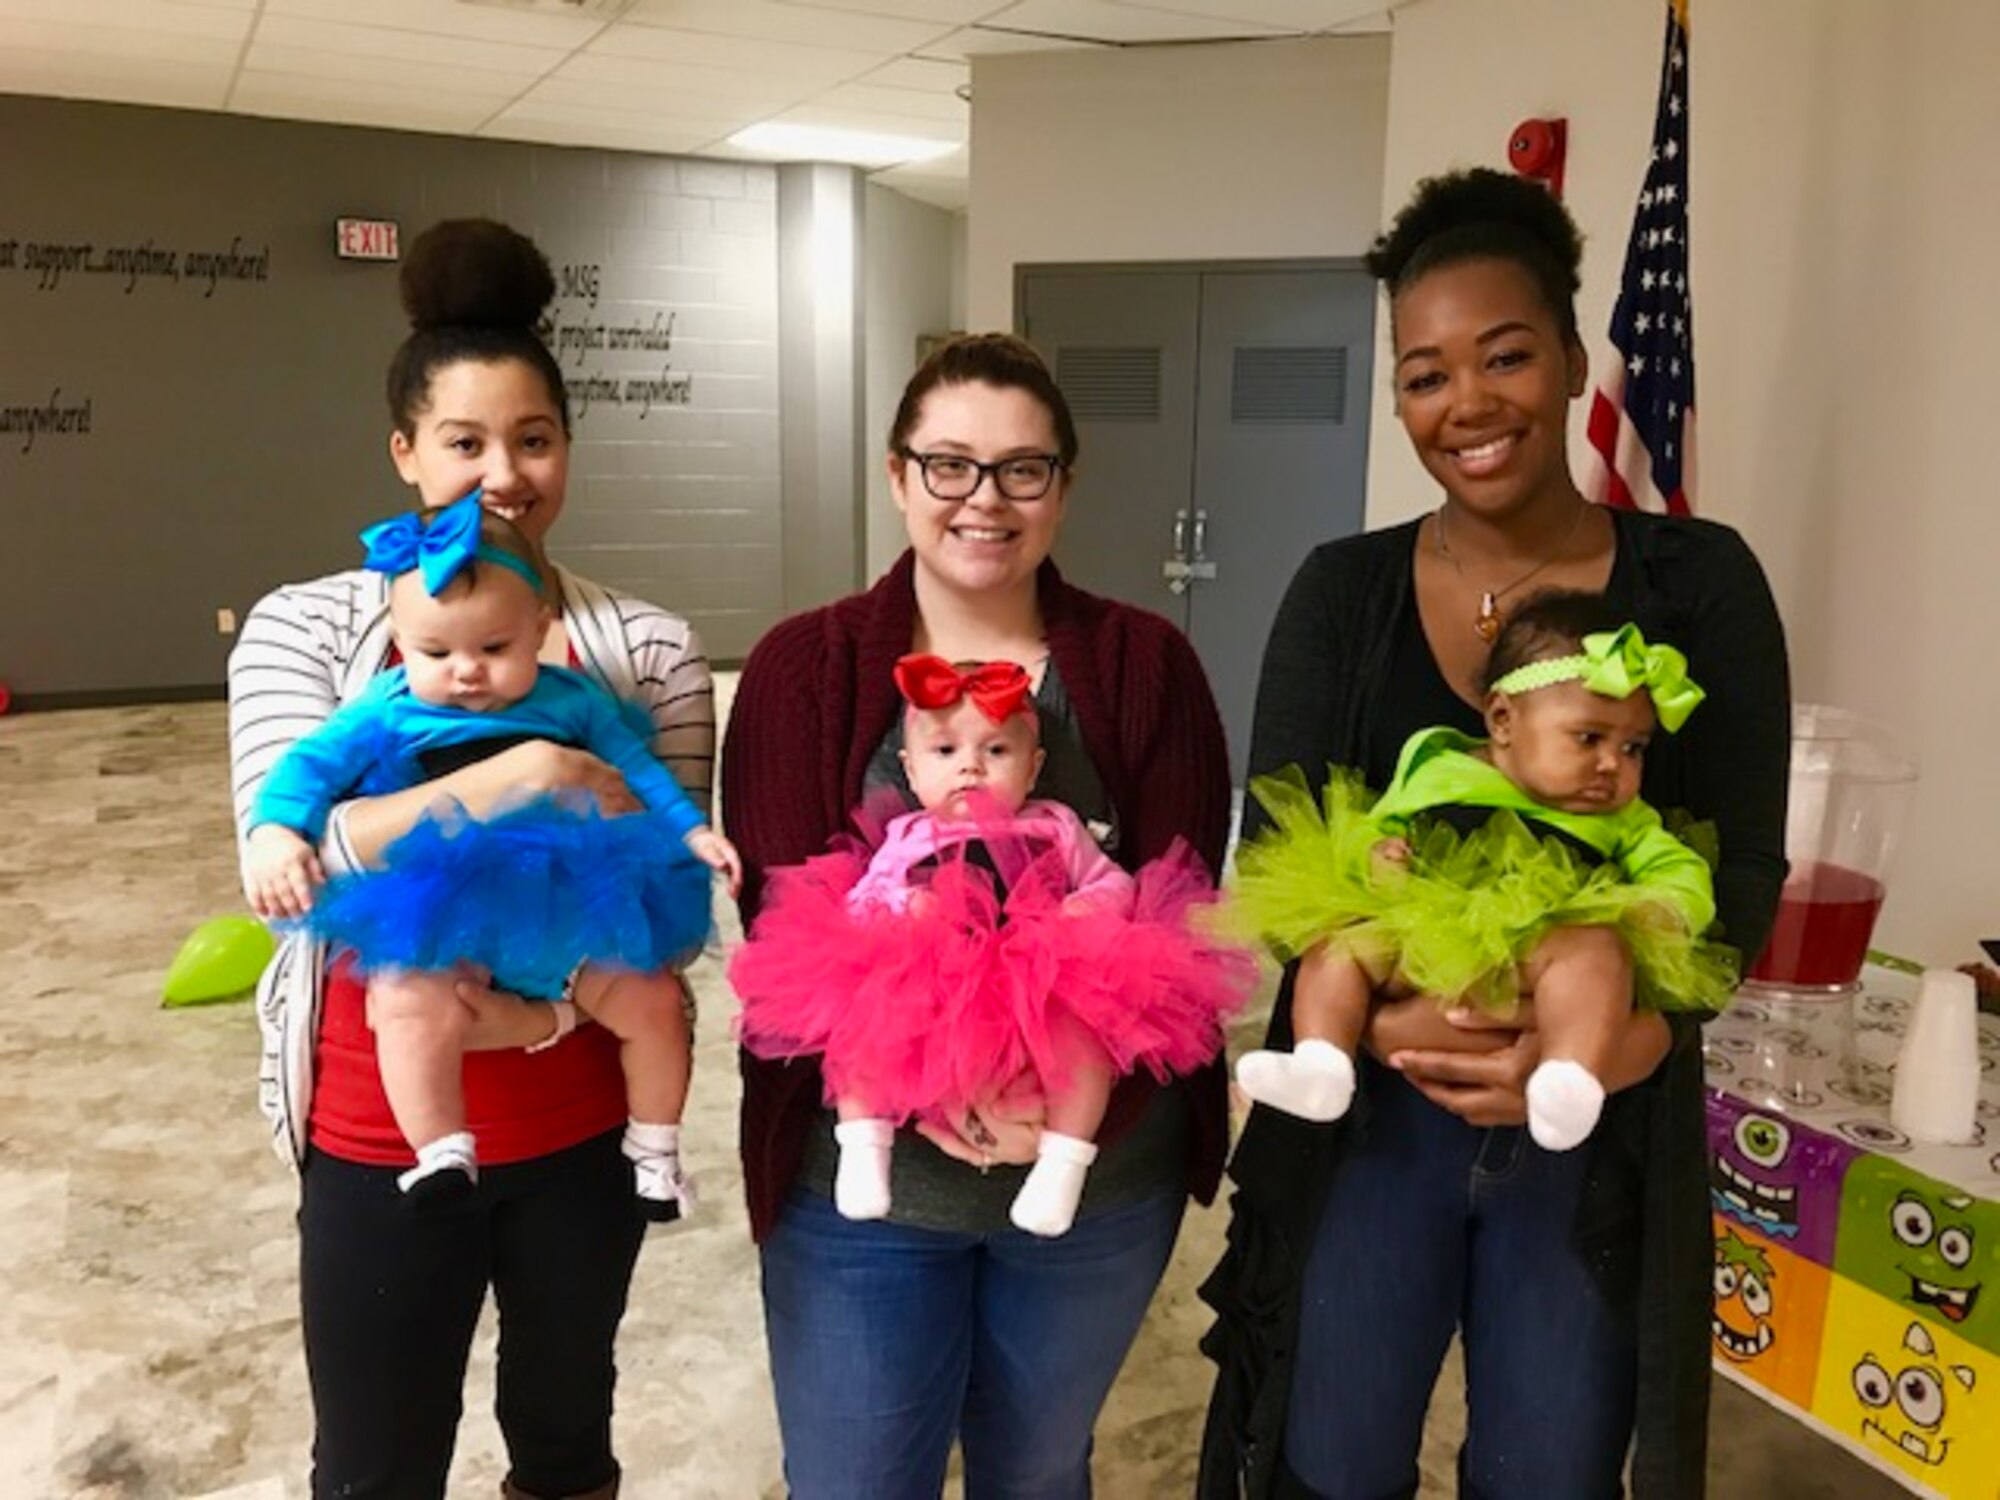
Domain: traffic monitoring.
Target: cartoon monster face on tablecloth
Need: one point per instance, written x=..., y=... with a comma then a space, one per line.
x=1745, y=1294
x=1924, y=1245
x=1768, y=1309
x=1910, y=1392
x=1906, y=1399
x=1775, y=1176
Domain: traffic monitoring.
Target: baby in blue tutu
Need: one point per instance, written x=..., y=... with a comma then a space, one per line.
x=548, y=895
x=1522, y=862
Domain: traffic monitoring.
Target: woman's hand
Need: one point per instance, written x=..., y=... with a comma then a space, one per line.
x=1478, y=1067
x=1006, y=1128
x=1486, y=1087
x=486, y=787
x=501, y=1021
x=539, y=767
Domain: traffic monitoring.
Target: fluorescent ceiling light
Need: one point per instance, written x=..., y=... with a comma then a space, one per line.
x=823, y=143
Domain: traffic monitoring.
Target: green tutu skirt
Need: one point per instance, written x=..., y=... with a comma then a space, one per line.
x=1459, y=918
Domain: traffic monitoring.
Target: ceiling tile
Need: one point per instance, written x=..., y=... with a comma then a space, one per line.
x=417, y=77
x=666, y=84
x=58, y=39
x=984, y=42
x=830, y=64
x=116, y=80
x=1289, y=15
x=628, y=134
x=832, y=118
x=1103, y=21
x=449, y=18
x=86, y=16
x=368, y=114
x=787, y=23
x=949, y=12
x=921, y=106
x=306, y=33
x=385, y=102
x=919, y=73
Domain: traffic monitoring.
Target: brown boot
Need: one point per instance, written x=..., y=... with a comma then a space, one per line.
x=512, y=1491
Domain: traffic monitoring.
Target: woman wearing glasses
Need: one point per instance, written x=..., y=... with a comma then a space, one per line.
x=891, y=1338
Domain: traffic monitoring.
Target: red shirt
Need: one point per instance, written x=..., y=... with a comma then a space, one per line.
x=518, y=1104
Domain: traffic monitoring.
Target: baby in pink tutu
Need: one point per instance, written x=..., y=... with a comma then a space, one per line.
x=988, y=938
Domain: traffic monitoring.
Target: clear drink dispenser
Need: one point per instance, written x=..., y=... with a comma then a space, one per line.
x=1850, y=792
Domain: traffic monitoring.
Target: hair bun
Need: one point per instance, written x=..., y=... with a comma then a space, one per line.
x=1475, y=202
x=475, y=273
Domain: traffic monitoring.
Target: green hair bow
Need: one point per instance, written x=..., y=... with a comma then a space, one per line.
x=1617, y=664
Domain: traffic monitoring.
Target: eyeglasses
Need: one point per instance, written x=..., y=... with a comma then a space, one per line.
x=951, y=476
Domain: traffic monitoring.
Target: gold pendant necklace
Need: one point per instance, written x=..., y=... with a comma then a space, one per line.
x=1486, y=624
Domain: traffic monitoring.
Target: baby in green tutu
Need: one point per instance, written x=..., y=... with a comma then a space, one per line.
x=1524, y=862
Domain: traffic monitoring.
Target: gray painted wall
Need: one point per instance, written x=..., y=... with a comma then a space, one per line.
x=914, y=252
x=170, y=446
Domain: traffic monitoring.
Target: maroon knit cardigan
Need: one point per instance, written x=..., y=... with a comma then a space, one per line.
x=816, y=698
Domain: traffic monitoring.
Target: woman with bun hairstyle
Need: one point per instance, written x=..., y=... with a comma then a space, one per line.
x=1578, y=1280
x=390, y=1297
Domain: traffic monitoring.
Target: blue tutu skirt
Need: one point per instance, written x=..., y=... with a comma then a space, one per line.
x=528, y=894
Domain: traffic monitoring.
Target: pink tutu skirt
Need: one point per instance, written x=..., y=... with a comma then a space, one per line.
x=928, y=1011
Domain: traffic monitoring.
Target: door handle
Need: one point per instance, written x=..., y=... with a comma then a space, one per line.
x=1180, y=533
x=1201, y=534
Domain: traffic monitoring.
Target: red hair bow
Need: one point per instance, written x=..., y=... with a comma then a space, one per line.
x=998, y=689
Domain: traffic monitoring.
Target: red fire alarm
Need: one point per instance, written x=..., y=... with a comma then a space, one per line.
x=1537, y=149
x=365, y=239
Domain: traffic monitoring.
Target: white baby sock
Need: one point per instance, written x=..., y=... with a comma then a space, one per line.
x=1046, y=1204
x=666, y=1192
x=1564, y=1101
x=1314, y=1081
x=861, y=1181
x=446, y=1170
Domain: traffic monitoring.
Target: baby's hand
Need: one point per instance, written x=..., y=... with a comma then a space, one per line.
x=1392, y=853
x=280, y=872
x=715, y=851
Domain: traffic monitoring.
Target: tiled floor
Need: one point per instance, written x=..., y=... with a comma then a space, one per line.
x=149, y=1341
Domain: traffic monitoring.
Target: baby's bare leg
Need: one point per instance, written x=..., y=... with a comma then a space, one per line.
x=1047, y=1202
x=646, y=1014
x=1581, y=978
x=1315, y=1080
x=645, y=1011
x=420, y=1030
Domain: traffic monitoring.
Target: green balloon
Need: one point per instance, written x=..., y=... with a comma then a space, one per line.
x=220, y=961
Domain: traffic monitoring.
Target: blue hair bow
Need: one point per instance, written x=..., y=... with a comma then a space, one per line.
x=441, y=547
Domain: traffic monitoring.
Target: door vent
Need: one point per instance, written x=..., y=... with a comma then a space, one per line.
x=1289, y=385
x=1110, y=384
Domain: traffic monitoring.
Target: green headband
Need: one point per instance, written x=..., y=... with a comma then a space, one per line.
x=1617, y=664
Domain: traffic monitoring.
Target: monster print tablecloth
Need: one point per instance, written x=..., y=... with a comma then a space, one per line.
x=1857, y=1272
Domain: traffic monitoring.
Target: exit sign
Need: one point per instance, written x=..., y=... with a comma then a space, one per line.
x=365, y=239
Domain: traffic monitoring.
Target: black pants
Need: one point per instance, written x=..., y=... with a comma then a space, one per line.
x=391, y=1297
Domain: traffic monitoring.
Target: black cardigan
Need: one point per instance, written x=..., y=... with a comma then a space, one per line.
x=1644, y=1223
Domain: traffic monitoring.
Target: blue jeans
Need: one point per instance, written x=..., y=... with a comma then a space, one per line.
x=1432, y=1224
x=889, y=1341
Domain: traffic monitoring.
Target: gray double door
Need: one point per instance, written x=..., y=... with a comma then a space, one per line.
x=1223, y=418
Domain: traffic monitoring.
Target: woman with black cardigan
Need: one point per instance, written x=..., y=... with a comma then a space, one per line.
x=1579, y=1281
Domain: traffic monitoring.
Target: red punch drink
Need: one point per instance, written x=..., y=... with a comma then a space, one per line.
x=1826, y=914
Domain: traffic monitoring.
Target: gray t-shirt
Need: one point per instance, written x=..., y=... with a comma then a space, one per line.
x=930, y=1190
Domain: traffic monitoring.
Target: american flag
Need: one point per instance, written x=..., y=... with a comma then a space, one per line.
x=1642, y=416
